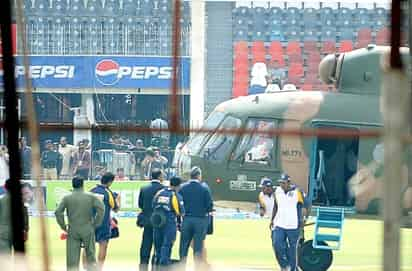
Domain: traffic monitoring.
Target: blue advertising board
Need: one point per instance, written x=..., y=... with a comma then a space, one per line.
x=102, y=72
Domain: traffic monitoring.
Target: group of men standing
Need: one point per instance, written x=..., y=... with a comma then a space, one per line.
x=186, y=207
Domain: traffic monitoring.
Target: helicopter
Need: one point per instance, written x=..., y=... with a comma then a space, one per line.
x=333, y=170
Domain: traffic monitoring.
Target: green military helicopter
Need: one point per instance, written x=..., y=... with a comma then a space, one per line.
x=338, y=173
x=333, y=171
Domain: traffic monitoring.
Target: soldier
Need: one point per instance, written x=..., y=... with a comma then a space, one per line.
x=111, y=202
x=198, y=204
x=146, y=205
x=167, y=206
x=5, y=221
x=49, y=161
x=286, y=222
x=85, y=213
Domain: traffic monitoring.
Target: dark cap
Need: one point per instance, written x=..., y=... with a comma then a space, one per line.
x=175, y=181
x=266, y=182
x=284, y=178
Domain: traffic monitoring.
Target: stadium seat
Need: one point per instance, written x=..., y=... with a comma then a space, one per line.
x=129, y=8
x=276, y=29
x=240, y=87
x=93, y=38
x=258, y=52
x=310, y=18
x=342, y=15
x=312, y=77
x=364, y=37
x=313, y=57
x=240, y=48
x=241, y=34
x=111, y=8
x=28, y=7
x=346, y=33
x=276, y=53
x=310, y=46
x=293, y=13
x=295, y=58
x=276, y=13
x=327, y=16
x=146, y=8
x=57, y=35
x=42, y=7
x=328, y=47
x=59, y=7
x=295, y=69
x=345, y=46
x=241, y=65
x=76, y=7
x=259, y=35
x=292, y=33
x=307, y=87
x=328, y=34
x=310, y=35
x=94, y=7
x=361, y=17
x=293, y=47
x=73, y=31
x=260, y=20
x=165, y=8
x=382, y=36
x=241, y=13
x=294, y=79
x=112, y=40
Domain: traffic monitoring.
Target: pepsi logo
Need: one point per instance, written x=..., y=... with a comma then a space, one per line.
x=107, y=72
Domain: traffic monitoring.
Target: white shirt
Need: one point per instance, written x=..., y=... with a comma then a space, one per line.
x=267, y=201
x=287, y=211
x=67, y=152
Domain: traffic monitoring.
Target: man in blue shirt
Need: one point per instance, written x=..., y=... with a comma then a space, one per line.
x=111, y=202
x=167, y=206
x=198, y=205
x=146, y=196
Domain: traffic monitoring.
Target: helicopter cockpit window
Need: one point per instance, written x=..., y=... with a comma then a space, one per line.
x=256, y=147
x=220, y=143
x=196, y=142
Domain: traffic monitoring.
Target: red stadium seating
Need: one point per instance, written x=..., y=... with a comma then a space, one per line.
x=382, y=36
x=276, y=53
x=258, y=51
x=345, y=46
x=295, y=58
x=295, y=79
x=328, y=47
x=293, y=48
x=310, y=46
x=364, y=37
x=241, y=49
x=240, y=87
x=296, y=69
x=313, y=57
x=312, y=78
x=307, y=87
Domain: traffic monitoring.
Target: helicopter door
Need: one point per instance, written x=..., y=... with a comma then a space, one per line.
x=335, y=162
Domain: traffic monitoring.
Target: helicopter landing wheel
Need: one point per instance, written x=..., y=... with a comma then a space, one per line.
x=314, y=259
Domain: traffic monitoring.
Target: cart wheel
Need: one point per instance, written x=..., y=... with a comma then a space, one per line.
x=313, y=259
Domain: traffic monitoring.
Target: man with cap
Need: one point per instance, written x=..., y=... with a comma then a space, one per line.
x=286, y=223
x=85, y=214
x=266, y=198
x=81, y=161
x=167, y=206
x=198, y=205
x=146, y=196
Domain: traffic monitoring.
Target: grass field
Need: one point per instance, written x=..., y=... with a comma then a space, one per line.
x=237, y=244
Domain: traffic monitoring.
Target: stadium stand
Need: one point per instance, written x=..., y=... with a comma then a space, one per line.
x=272, y=33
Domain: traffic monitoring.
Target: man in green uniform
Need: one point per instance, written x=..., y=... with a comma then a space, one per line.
x=5, y=222
x=85, y=213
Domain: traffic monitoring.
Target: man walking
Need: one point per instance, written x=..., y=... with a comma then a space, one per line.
x=146, y=197
x=111, y=202
x=198, y=205
x=84, y=213
x=286, y=222
x=167, y=206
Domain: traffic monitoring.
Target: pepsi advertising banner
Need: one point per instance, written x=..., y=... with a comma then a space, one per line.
x=101, y=72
